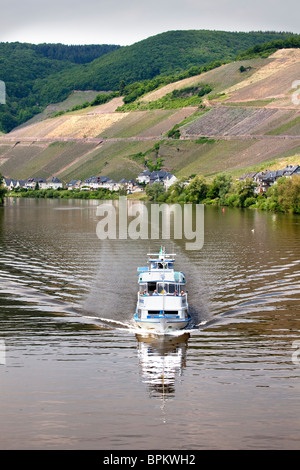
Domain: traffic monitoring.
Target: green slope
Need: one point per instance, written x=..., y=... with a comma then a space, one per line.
x=24, y=66
x=38, y=76
x=167, y=53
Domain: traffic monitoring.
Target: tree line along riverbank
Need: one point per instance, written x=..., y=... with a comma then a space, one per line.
x=283, y=196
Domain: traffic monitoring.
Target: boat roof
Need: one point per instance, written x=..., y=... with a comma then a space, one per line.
x=159, y=275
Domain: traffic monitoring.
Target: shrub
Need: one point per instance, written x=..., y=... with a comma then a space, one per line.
x=250, y=201
x=232, y=201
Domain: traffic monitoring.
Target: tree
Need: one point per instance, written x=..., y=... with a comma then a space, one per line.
x=179, y=186
x=220, y=187
x=174, y=133
x=122, y=86
x=2, y=190
x=155, y=166
x=245, y=190
x=154, y=191
x=177, y=192
x=288, y=190
x=197, y=189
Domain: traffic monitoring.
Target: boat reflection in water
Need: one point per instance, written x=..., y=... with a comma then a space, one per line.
x=162, y=358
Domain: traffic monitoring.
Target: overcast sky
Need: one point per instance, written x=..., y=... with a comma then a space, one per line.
x=126, y=22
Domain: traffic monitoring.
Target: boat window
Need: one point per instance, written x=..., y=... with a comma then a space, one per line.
x=153, y=313
x=151, y=287
x=161, y=265
x=162, y=288
x=181, y=288
x=172, y=288
x=142, y=288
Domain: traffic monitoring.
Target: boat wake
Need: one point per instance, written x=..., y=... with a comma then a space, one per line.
x=109, y=322
x=128, y=323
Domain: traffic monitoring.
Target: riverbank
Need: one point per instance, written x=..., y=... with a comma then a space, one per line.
x=63, y=194
x=283, y=196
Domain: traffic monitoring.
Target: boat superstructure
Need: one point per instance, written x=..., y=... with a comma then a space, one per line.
x=162, y=299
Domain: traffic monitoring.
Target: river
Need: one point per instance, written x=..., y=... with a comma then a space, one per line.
x=76, y=374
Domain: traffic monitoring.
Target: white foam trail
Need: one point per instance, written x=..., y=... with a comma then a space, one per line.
x=107, y=320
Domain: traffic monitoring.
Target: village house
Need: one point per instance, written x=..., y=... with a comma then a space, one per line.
x=111, y=185
x=291, y=170
x=10, y=183
x=32, y=182
x=169, y=180
x=73, y=184
x=131, y=186
x=144, y=177
x=94, y=182
x=265, y=179
x=159, y=176
x=54, y=183
x=261, y=183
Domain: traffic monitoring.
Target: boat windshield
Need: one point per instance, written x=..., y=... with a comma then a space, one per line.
x=160, y=288
x=162, y=265
x=166, y=288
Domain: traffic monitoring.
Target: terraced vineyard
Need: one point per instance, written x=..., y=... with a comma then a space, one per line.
x=154, y=123
x=249, y=117
x=70, y=126
x=223, y=121
x=243, y=121
x=273, y=80
x=230, y=121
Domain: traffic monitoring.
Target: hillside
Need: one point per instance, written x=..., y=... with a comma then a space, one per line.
x=249, y=121
x=39, y=75
x=24, y=66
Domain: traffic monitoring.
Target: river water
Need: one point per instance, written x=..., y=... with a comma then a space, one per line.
x=76, y=374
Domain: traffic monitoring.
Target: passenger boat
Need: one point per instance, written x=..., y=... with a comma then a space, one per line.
x=162, y=299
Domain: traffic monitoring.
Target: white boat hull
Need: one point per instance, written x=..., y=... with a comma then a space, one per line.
x=162, y=324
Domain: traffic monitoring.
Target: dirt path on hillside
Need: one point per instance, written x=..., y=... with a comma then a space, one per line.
x=99, y=141
x=62, y=170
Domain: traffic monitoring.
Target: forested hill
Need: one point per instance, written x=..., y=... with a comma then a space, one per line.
x=23, y=66
x=38, y=75
x=73, y=53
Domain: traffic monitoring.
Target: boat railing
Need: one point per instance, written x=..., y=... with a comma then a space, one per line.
x=160, y=294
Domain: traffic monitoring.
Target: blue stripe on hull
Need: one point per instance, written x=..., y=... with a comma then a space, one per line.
x=157, y=321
